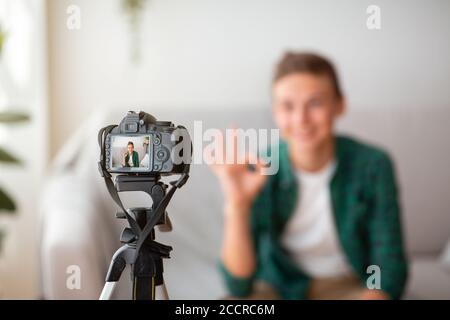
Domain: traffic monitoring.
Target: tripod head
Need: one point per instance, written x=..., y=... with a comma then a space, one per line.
x=156, y=190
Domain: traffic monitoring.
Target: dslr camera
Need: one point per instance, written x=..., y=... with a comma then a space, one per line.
x=142, y=145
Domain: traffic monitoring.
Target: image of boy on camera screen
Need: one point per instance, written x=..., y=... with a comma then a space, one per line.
x=130, y=152
x=131, y=157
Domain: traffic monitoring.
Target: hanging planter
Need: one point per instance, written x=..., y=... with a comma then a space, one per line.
x=133, y=10
x=2, y=39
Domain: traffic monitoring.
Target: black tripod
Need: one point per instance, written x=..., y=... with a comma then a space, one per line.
x=140, y=250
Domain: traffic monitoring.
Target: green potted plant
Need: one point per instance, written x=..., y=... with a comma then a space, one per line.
x=7, y=204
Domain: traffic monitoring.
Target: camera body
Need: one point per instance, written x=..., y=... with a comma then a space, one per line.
x=142, y=145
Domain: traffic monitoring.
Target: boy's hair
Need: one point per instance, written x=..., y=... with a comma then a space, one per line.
x=306, y=62
x=130, y=143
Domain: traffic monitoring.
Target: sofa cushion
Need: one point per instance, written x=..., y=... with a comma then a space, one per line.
x=428, y=279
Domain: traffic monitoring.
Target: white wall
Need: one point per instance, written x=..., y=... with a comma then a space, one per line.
x=210, y=54
x=219, y=54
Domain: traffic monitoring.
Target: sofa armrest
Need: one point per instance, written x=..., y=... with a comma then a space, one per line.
x=75, y=240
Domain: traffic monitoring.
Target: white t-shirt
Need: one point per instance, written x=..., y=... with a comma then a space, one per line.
x=130, y=160
x=310, y=235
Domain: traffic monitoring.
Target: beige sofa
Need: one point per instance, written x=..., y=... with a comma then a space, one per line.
x=78, y=216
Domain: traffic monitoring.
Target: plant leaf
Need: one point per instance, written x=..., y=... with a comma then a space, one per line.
x=6, y=202
x=6, y=157
x=13, y=117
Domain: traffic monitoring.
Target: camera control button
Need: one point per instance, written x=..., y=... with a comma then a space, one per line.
x=161, y=154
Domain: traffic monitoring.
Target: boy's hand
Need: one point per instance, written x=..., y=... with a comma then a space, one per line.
x=239, y=184
x=369, y=294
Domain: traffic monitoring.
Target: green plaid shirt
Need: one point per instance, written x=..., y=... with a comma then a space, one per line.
x=366, y=213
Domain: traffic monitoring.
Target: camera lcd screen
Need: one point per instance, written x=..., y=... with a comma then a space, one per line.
x=130, y=153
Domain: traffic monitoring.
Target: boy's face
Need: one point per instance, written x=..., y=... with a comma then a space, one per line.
x=130, y=148
x=305, y=107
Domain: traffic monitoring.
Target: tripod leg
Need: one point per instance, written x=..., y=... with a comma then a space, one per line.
x=144, y=288
x=107, y=291
x=161, y=292
x=148, y=288
x=118, y=263
x=148, y=276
